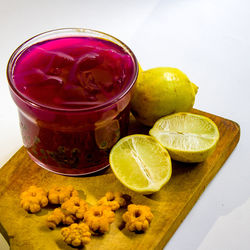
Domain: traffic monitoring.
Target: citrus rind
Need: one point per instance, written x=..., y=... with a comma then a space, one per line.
x=141, y=163
x=187, y=137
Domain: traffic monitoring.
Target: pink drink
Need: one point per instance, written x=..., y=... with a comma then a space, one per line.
x=73, y=94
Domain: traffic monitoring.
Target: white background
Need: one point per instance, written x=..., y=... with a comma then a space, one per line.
x=207, y=39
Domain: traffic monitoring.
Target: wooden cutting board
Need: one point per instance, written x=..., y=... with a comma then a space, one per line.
x=170, y=205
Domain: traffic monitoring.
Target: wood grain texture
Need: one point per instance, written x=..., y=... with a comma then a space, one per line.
x=170, y=205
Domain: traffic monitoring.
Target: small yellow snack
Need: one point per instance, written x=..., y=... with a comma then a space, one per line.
x=34, y=199
x=112, y=200
x=60, y=194
x=98, y=218
x=58, y=216
x=75, y=206
x=76, y=234
x=137, y=218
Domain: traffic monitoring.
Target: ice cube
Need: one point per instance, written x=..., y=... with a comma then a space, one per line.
x=54, y=59
x=71, y=92
x=32, y=76
x=89, y=61
x=86, y=62
x=88, y=82
x=54, y=79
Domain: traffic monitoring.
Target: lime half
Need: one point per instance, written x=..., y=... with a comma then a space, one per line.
x=141, y=163
x=188, y=137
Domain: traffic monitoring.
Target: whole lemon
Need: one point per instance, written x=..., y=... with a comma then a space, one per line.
x=161, y=91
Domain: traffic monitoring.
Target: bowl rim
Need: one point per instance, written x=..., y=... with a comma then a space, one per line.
x=84, y=32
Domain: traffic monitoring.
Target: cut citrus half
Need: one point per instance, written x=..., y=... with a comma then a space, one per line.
x=141, y=163
x=188, y=137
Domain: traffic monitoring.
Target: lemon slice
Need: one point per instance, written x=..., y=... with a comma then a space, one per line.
x=187, y=137
x=141, y=163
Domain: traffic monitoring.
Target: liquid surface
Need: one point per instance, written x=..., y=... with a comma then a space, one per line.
x=73, y=72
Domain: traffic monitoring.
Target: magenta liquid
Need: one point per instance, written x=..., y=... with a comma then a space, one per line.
x=76, y=101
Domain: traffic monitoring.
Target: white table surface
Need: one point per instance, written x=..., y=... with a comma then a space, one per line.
x=207, y=39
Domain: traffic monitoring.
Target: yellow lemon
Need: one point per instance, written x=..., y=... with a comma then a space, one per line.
x=161, y=91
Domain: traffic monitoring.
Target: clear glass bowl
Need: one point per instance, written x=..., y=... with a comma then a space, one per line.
x=71, y=141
